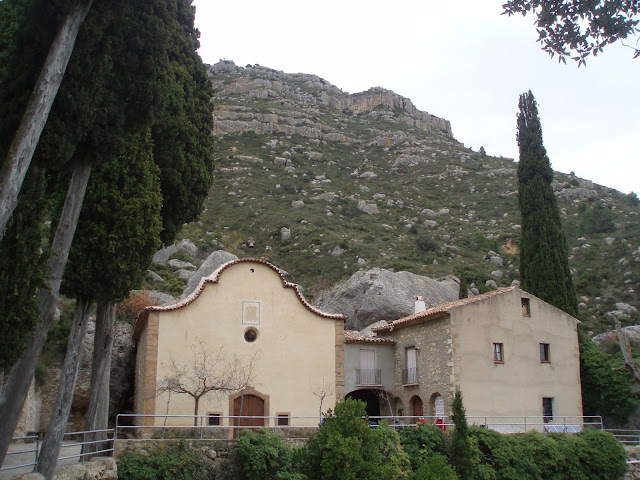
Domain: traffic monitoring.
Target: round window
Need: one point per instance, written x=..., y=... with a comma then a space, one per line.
x=250, y=335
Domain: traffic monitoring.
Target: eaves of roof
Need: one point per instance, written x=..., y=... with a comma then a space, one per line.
x=438, y=311
x=215, y=278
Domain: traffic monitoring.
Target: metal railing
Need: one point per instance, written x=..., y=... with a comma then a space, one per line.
x=35, y=451
x=625, y=436
x=409, y=376
x=368, y=376
x=227, y=427
x=75, y=441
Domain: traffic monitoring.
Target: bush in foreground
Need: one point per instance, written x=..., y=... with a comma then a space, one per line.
x=173, y=461
x=347, y=448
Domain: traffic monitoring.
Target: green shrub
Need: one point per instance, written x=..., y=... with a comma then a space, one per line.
x=591, y=454
x=434, y=466
x=174, y=461
x=422, y=441
x=181, y=255
x=346, y=448
x=426, y=243
x=266, y=455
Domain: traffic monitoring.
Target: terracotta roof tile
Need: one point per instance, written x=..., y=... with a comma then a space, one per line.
x=353, y=336
x=440, y=309
x=214, y=278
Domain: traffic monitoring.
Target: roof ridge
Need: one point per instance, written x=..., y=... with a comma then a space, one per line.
x=214, y=277
x=444, y=307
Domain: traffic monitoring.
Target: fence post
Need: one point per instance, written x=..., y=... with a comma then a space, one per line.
x=37, y=453
x=84, y=442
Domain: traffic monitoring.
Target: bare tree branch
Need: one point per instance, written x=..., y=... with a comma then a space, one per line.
x=623, y=340
x=206, y=372
x=322, y=392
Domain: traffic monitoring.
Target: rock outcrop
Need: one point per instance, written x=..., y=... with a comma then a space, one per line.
x=212, y=262
x=122, y=370
x=256, y=82
x=377, y=294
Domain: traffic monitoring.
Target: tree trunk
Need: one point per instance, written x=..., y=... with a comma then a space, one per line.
x=623, y=341
x=37, y=111
x=21, y=375
x=195, y=411
x=53, y=439
x=98, y=413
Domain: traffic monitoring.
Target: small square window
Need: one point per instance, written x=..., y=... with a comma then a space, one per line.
x=213, y=419
x=544, y=352
x=283, y=419
x=498, y=353
x=547, y=409
x=526, y=307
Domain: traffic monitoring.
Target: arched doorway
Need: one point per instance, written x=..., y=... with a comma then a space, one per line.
x=244, y=406
x=416, y=406
x=370, y=397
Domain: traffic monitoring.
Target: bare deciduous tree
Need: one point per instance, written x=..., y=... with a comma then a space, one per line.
x=386, y=397
x=321, y=391
x=204, y=373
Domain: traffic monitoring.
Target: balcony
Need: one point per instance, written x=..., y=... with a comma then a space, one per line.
x=369, y=376
x=409, y=376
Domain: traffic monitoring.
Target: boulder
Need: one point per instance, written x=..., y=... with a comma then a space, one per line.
x=427, y=212
x=188, y=246
x=496, y=261
x=213, y=261
x=285, y=234
x=297, y=204
x=162, y=256
x=373, y=295
x=180, y=265
x=491, y=284
x=154, y=277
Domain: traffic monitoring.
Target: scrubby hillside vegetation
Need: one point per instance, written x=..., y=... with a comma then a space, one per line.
x=322, y=183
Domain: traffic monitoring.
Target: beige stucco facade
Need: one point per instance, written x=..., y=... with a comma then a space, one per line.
x=297, y=351
x=454, y=348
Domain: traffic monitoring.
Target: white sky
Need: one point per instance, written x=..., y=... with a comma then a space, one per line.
x=460, y=60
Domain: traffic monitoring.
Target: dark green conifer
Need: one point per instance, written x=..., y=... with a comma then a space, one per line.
x=544, y=265
x=460, y=454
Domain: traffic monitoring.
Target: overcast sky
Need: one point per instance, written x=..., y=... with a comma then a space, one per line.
x=460, y=60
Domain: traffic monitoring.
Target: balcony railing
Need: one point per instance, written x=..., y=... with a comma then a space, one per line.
x=409, y=376
x=368, y=376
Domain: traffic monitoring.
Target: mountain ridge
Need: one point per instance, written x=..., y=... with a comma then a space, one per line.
x=323, y=183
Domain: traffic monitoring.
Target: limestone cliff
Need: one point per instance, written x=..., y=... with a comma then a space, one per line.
x=255, y=83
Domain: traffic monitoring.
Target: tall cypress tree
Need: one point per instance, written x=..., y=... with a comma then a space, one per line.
x=544, y=264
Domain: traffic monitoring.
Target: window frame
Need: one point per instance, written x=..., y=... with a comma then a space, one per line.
x=545, y=352
x=414, y=356
x=214, y=415
x=525, y=303
x=283, y=416
x=547, y=409
x=498, y=352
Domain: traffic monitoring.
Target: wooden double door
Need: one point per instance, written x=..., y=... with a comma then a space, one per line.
x=249, y=407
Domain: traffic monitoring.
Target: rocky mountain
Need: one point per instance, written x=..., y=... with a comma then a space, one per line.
x=324, y=184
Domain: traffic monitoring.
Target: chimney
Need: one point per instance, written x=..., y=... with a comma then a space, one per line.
x=420, y=306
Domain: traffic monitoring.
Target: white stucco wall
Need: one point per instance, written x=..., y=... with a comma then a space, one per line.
x=517, y=386
x=295, y=351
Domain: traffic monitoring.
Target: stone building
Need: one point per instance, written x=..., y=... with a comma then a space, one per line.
x=244, y=314
x=514, y=357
